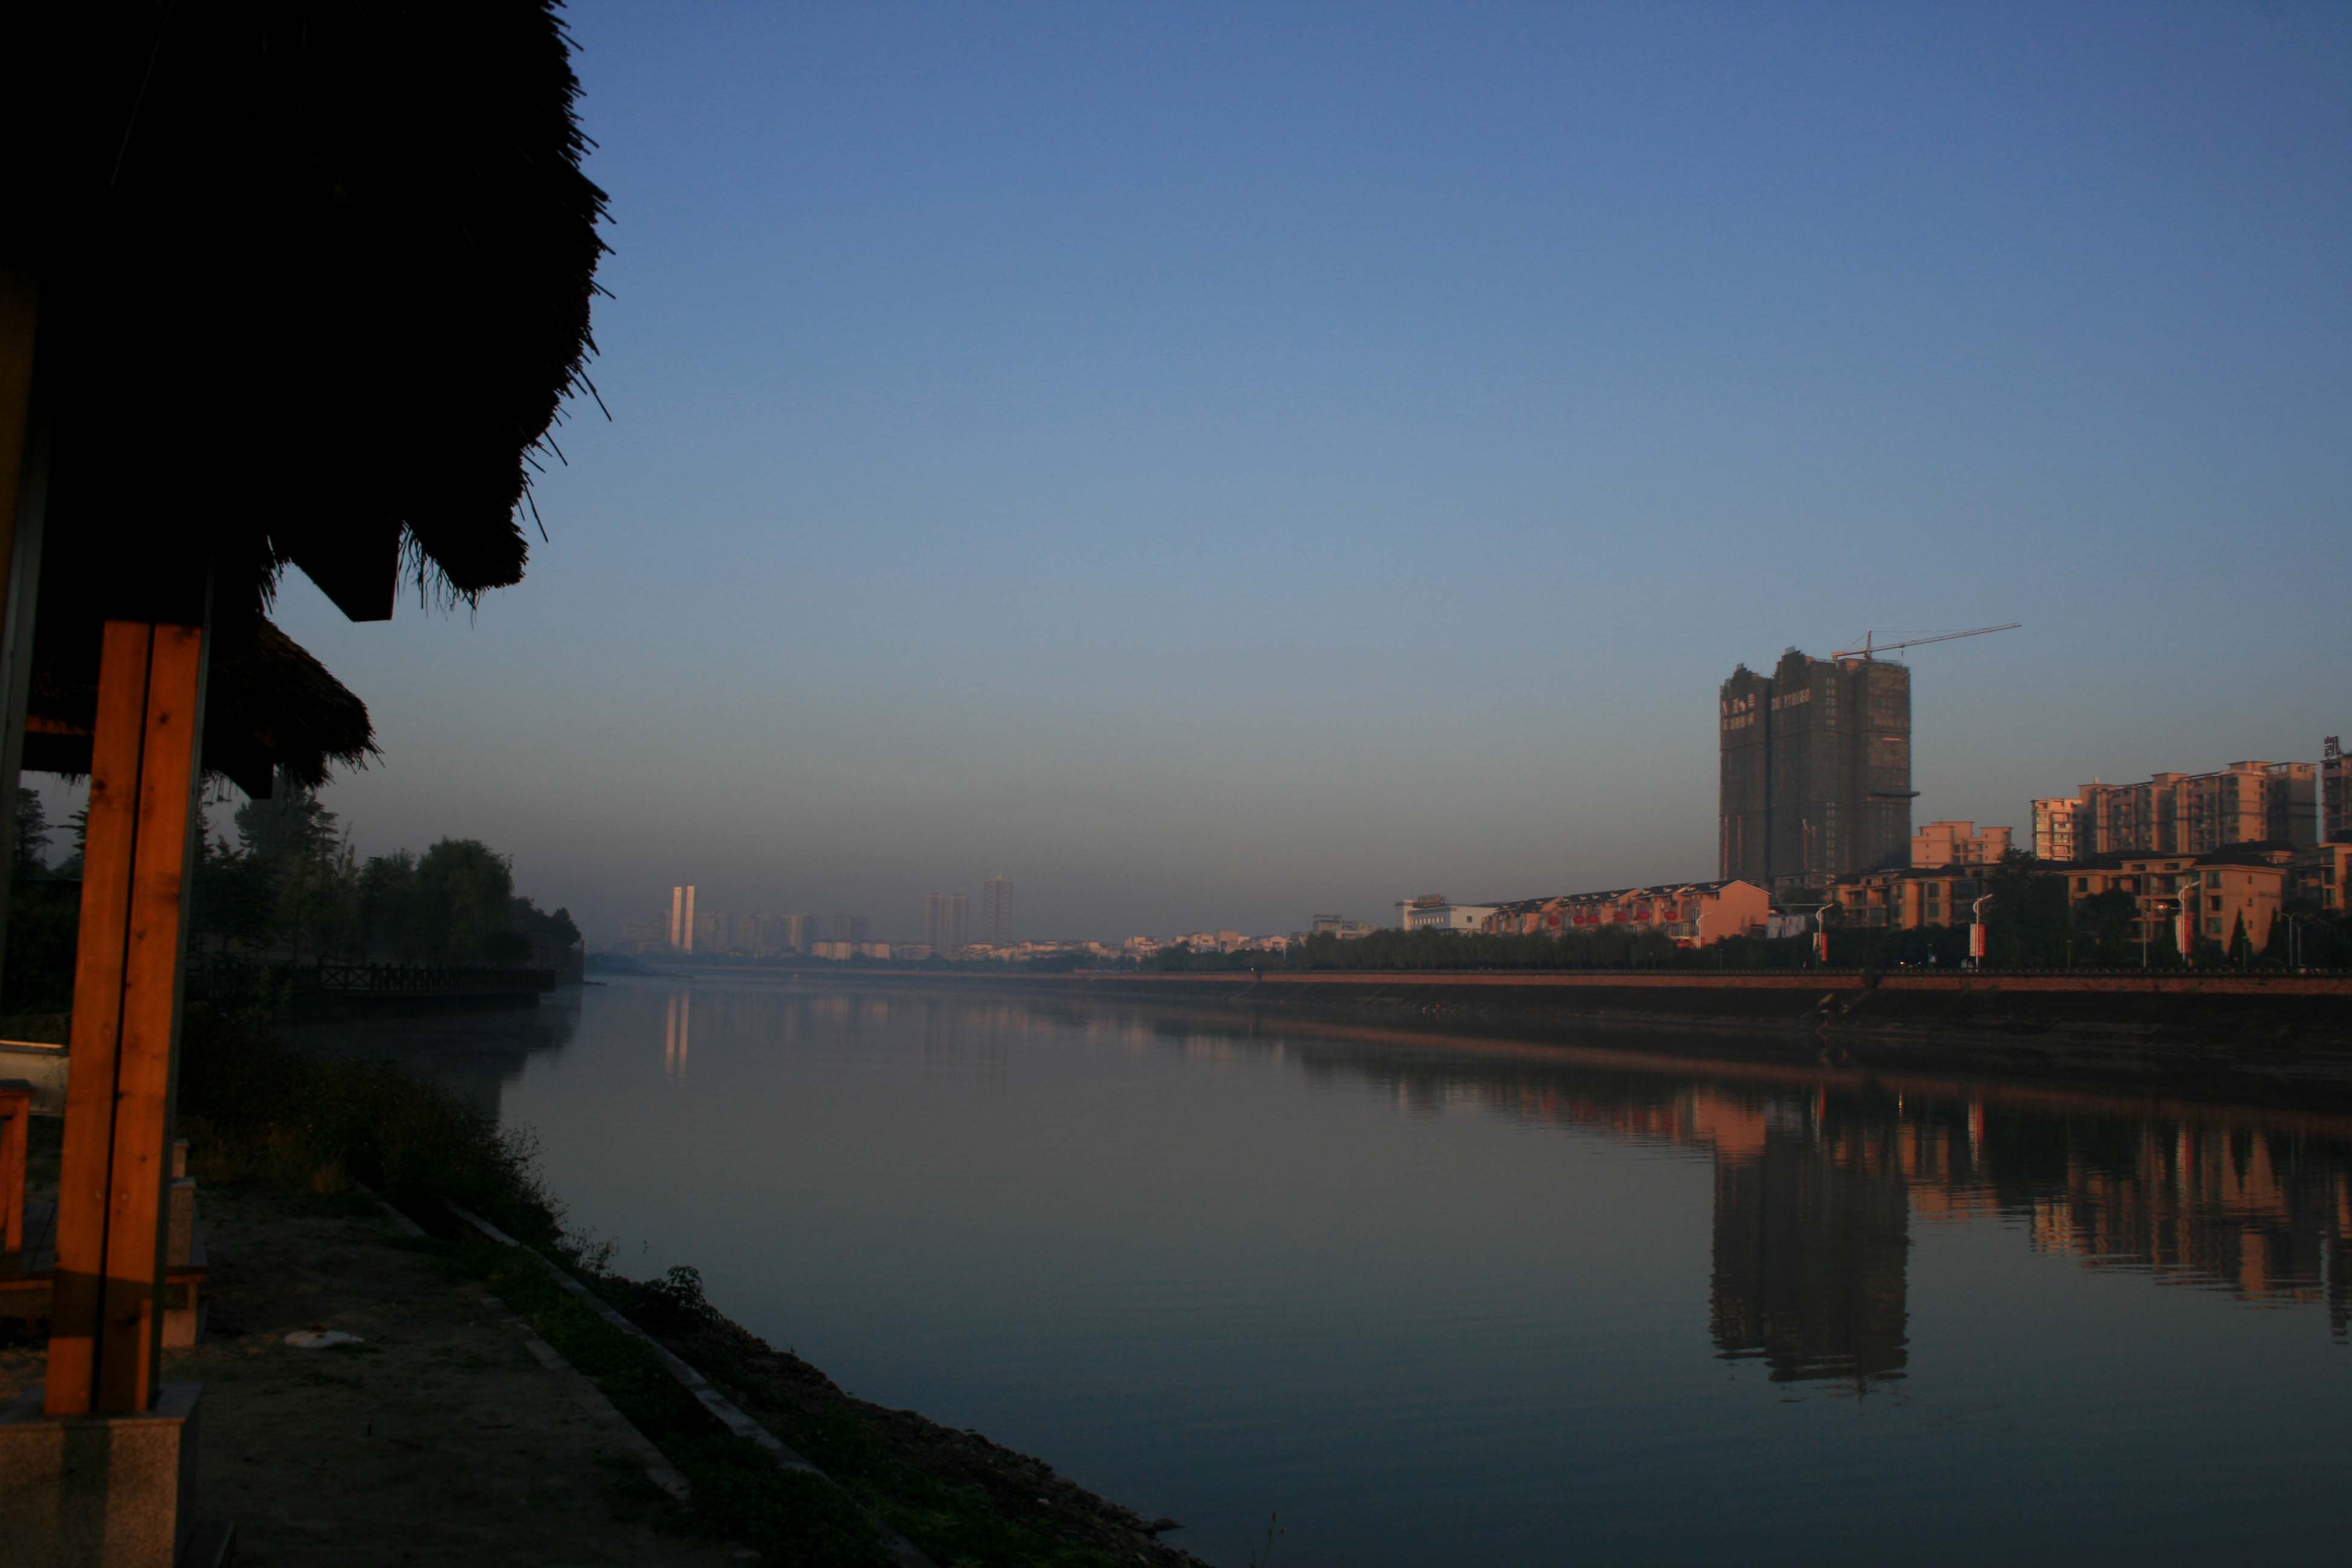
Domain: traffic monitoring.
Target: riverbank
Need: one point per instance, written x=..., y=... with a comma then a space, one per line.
x=480, y=1412
x=2265, y=1037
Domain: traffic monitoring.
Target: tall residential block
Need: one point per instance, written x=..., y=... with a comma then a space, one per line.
x=681, y=917
x=1815, y=770
x=943, y=921
x=2055, y=829
x=996, y=909
x=2335, y=778
x=2184, y=814
x=849, y=928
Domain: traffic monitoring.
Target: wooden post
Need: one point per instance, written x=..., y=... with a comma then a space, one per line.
x=105, y=1333
x=24, y=473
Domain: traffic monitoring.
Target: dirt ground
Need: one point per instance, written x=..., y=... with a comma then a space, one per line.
x=439, y=1438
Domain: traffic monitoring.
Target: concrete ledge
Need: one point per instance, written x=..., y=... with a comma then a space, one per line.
x=98, y=1491
x=43, y=1067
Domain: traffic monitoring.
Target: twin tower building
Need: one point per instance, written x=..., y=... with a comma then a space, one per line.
x=1816, y=771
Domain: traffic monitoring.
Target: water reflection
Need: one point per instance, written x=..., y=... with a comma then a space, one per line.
x=1820, y=1175
x=475, y=1057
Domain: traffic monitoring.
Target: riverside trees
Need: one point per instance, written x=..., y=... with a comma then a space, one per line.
x=288, y=887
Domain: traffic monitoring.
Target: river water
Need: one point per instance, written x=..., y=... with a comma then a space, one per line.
x=1434, y=1300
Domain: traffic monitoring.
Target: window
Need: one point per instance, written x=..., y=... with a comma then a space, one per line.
x=2213, y=903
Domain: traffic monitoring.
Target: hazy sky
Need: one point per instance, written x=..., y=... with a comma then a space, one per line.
x=1215, y=464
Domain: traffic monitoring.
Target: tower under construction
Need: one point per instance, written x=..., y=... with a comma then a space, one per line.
x=1816, y=770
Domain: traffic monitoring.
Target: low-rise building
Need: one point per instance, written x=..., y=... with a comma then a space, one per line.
x=2242, y=886
x=1435, y=912
x=1692, y=913
x=1339, y=926
x=2318, y=876
x=2239, y=881
x=1908, y=898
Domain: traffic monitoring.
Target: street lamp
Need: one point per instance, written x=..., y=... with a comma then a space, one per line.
x=2182, y=899
x=1975, y=933
x=2147, y=921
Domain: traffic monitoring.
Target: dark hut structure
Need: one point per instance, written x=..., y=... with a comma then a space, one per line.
x=282, y=283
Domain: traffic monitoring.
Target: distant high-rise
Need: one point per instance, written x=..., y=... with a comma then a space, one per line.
x=943, y=921
x=849, y=928
x=996, y=909
x=1815, y=779
x=2334, y=776
x=681, y=917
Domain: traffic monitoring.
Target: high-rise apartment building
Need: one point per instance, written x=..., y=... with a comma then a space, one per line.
x=2335, y=778
x=849, y=928
x=943, y=921
x=997, y=911
x=1815, y=770
x=2054, y=835
x=2184, y=814
x=681, y=917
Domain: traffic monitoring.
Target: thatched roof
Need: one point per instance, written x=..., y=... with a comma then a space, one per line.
x=315, y=280
x=268, y=706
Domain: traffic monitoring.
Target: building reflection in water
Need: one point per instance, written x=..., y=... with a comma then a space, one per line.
x=676, y=1032
x=1821, y=1178
x=1811, y=1242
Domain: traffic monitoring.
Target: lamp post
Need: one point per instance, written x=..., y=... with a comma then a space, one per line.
x=1977, y=932
x=2147, y=921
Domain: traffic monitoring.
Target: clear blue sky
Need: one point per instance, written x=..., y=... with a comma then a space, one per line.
x=1212, y=463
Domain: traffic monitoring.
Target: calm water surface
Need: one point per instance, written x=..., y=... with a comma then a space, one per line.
x=1439, y=1301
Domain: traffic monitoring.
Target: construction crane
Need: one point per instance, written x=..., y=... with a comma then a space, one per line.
x=1870, y=645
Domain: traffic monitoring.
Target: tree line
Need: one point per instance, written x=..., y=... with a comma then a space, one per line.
x=285, y=887
x=2030, y=924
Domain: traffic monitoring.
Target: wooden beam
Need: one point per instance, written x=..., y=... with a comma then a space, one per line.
x=106, y=1324
x=24, y=489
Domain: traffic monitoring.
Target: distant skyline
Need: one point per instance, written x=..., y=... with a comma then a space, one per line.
x=1219, y=463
